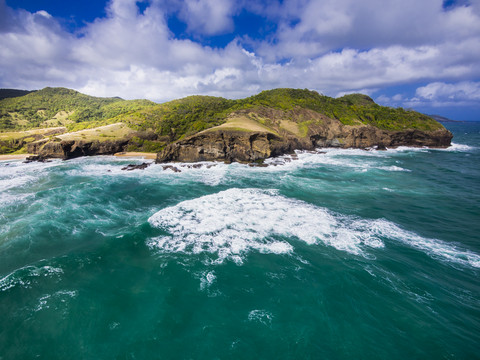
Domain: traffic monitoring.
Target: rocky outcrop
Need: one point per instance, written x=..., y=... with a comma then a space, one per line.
x=249, y=146
x=370, y=136
x=69, y=149
x=226, y=145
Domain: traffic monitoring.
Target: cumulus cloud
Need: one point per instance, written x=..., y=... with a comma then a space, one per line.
x=443, y=94
x=438, y=94
x=321, y=26
x=335, y=47
x=208, y=17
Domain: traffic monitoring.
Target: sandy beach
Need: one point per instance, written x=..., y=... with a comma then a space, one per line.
x=142, y=155
x=14, y=157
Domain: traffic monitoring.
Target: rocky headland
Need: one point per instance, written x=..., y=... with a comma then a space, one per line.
x=202, y=128
x=284, y=135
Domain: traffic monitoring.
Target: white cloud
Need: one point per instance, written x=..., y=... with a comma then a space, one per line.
x=443, y=94
x=438, y=94
x=325, y=25
x=335, y=47
x=208, y=17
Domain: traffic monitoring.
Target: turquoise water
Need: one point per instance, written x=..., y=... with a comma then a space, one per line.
x=339, y=255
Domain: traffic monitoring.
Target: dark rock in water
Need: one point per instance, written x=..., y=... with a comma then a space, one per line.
x=194, y=166
x=381, y=147
x=258, y=164
x=36, y=158
x=175, y=169
x=131, y=167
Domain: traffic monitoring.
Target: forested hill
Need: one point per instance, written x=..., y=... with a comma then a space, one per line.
x=60, y=106
x=11, y=93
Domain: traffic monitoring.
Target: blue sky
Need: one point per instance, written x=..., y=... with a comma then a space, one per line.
x=423, y=54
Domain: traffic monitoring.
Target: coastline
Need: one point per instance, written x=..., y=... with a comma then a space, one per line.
x=133, y=154
x=14, y=156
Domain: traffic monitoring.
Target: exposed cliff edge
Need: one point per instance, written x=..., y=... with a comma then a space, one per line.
x=241, y=139
x=69, y=149
x=198, y=128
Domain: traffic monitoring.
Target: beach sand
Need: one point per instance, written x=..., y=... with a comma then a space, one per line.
x=142, y=155
x=14, y=157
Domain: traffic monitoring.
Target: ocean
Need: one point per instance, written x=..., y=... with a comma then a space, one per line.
x=336, y=254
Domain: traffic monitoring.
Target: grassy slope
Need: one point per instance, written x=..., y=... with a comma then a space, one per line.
x=179, y=118
x=60, y=106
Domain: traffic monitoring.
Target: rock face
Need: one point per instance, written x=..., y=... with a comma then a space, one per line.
x=226, y=146
x=69, y=149
x=245, y=146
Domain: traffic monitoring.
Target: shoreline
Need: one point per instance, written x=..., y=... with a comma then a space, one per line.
x=14, y=156
x=134, y=154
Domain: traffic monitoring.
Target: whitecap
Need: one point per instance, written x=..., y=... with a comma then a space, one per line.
x=25, y=276
x=59, y=297
x=236, y=221
x=261, y=316
x=207, y=278
x=232, y=223
x=435, y=248
x=393, y=168
x=459, y=148
x=356, y=159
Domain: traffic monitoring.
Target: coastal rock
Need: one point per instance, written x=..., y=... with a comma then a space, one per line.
x=252, y=146
x=36, y=158
x=131, y=167
x=224, y=145
x=69, y=149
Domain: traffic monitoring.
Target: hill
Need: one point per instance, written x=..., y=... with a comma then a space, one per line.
x=286, y=119
x=11, y=93
x=443, y=119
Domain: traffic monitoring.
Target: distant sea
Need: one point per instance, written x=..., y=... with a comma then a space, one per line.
x=340, y=254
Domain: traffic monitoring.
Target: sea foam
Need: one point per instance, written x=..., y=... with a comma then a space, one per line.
x=24, y=276
x=234, y=222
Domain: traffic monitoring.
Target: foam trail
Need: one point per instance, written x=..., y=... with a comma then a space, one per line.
x=25, y=276
x=433, y=247
x=459, y=148
x=234, y=222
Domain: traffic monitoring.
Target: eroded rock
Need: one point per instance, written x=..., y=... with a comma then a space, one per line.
x=131, y=167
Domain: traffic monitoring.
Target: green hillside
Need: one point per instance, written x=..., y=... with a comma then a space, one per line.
x=152, y=125
x=60, y=106
x=11, y=93
x=353, y=109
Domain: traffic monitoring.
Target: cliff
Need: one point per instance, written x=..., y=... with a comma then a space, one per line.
x=199, y=128
x=243, y=139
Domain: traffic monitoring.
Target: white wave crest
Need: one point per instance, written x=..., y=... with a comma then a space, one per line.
x=459, y=148
x=61, y=297
x=233, y=222
x=433, y=247
x=24, y=276
x=261, y=316
x=236, y=221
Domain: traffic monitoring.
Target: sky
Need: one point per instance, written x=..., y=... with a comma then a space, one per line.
x=419, y=54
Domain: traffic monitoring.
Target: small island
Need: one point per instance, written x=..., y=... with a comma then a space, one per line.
x=63, y=123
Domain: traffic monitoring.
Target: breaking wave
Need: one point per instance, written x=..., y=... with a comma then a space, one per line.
x=234, y=222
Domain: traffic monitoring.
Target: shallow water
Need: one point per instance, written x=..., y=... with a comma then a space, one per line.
x=341, y=254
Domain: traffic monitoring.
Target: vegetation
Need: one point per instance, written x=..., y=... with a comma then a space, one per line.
x=179, y=118
x=353, y=109
x=11, y=93
x=35, y=109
